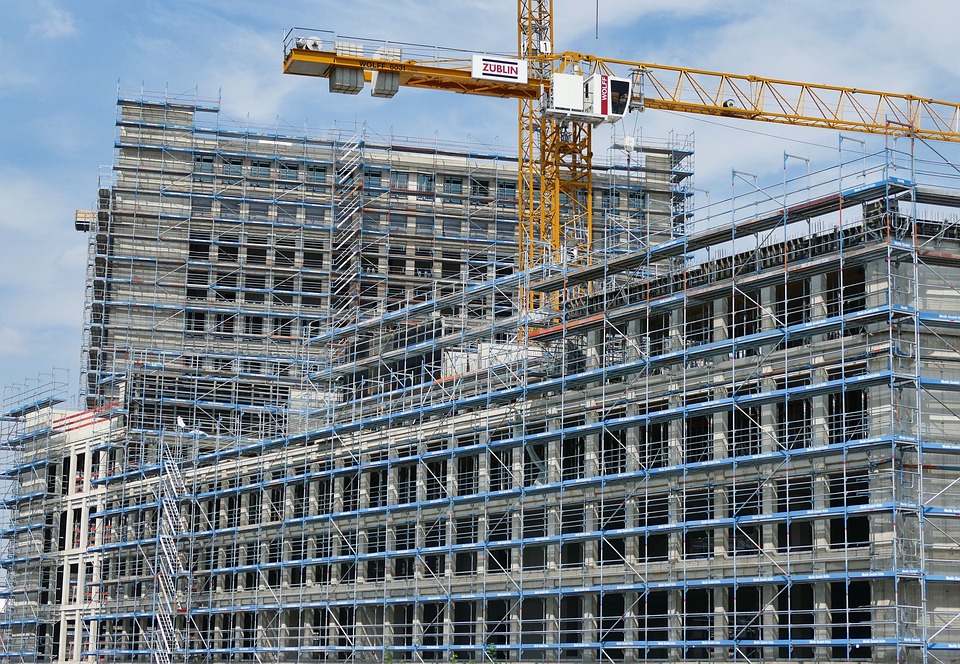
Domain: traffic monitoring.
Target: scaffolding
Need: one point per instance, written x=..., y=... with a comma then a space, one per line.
x=320, y=427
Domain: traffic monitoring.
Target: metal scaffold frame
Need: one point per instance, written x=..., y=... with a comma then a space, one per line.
x=735, y=439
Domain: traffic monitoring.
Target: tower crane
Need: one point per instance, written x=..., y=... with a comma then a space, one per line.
x=564, y=95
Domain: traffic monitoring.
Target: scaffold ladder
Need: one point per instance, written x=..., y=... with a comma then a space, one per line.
x=166, y=640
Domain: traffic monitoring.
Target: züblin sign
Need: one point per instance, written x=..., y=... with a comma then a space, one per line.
x=499, y=68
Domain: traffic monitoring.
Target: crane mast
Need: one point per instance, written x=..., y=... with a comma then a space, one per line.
x=554, y=182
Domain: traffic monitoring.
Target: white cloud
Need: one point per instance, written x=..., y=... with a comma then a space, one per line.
x=12, y=342
x=53, y=22
x=12, y=73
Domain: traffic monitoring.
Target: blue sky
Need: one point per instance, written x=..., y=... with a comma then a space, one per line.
x=61, y=62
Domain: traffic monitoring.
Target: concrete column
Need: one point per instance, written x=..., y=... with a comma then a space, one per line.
x=635, y=347
x=818, y=301
x=876, y=283
x=721, y=621
x=591, y=455
x=821, y=628
x=721, y=313
x=483, y=473
x=633, y=441
x=675, y=515
x=591, y=609
x=768, y=308
x=768, y=505
x=819, y=414
x=675, y=445
x=721, y=510
x=594, y=349
x=721, y=430
x=675, y=622
x=768, y=604
x=554, y=454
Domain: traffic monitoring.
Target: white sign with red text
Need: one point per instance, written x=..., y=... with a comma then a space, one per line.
x=497, y=68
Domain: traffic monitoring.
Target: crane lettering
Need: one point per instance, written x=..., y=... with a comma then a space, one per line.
x=385, y=66
x=501, y=69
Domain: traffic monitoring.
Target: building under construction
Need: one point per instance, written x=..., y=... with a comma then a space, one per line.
x=317, y=425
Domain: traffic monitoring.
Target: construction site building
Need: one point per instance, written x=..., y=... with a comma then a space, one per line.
x=317, y=424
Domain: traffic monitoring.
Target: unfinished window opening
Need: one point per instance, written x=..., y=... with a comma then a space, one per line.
x=794, y=495
x=793, y=424
x=698, y=506
x=850, y=618
x=348, y=548
x=297, y=572
x=846, y=491
x=464, y=623
x=847, y=416
x=534, y=464
x=612, y=624
x=195, y=321
x=697, y=439
x=746, y=620
x=403, y=620
x=351, y=492
x=533, y=628
x=435, y=536
x=745, y=500
x=465, y=562
x=654, y=440
x=571, y=448
x=743, y=318
x=698, y=622
x=848, y=297
x=432, y=630
x=274, y=556
x=500, y=463
x=792, y=308
x=436, y=480
x=285, y=253
x=611, y=549
x=405, y=539
x=795, y=611
x=572, y=522
x=534, y=556
x=377, y=487
x=497, y=628
x=406, y=483
x=653, y=510
x=652, y=623
x=376, y=543
x=744, y=428
x=699, y=324
x=498, y=530
x=198, y=248
x=655, y=339
x=613, y=446
x=467, y=475
x=571, y=624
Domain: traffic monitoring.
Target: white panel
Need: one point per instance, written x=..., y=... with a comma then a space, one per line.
x=567, y=92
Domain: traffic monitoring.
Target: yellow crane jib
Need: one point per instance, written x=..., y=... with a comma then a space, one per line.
x=349, y=63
